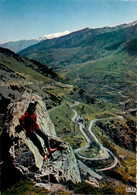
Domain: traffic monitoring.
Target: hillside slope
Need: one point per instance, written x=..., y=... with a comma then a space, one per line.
x=20, y=75
x=98, y=60
x=17, y=46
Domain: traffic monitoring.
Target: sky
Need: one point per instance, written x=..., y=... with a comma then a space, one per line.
x=30, y=19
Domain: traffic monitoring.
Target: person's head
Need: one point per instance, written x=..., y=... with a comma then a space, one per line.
x=32, y=106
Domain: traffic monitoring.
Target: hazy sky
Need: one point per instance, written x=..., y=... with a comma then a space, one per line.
x=27, y=19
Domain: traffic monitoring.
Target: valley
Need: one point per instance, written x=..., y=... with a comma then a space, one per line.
x=87, y=80
x=97, y=60
x=101, y=156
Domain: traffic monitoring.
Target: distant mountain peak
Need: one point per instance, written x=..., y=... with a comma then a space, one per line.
x=132, y=23
x=128, y=24
x=54, y=35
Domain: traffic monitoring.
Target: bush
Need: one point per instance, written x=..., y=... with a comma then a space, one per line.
x=25, y=186
x=85, y=188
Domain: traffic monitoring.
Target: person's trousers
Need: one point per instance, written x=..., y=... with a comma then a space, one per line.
x=34, y=138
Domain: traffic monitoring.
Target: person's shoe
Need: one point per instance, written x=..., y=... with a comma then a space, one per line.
x=45, y=157
x=52, y=150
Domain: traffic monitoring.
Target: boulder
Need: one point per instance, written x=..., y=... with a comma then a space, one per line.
x=24, y=156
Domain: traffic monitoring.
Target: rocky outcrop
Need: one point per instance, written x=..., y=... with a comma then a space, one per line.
x=86, y=171
x=23, y=154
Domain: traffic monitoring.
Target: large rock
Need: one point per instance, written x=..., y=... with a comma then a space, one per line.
x=24, y=155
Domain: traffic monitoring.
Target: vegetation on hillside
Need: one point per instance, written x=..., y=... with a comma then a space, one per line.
x=98, y=60
x=20, y=75
x=100, y=66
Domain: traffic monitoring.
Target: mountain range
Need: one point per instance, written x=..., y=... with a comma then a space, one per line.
x=17, y=46
x=103, y=39
x=98, y=60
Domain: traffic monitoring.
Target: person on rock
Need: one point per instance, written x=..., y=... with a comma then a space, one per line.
x=30, y=126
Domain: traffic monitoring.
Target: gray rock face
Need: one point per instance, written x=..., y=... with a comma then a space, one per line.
x=87, y=171
x=60, y=165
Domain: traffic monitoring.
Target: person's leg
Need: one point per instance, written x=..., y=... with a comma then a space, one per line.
x=44, y=136
x=33, y=137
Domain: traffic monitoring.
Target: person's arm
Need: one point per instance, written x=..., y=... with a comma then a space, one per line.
x=22, y=121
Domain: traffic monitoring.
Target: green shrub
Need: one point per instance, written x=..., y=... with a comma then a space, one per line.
x=85, y=188
x=25, y=186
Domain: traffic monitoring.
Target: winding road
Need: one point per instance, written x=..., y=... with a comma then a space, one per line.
x=107, y=152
